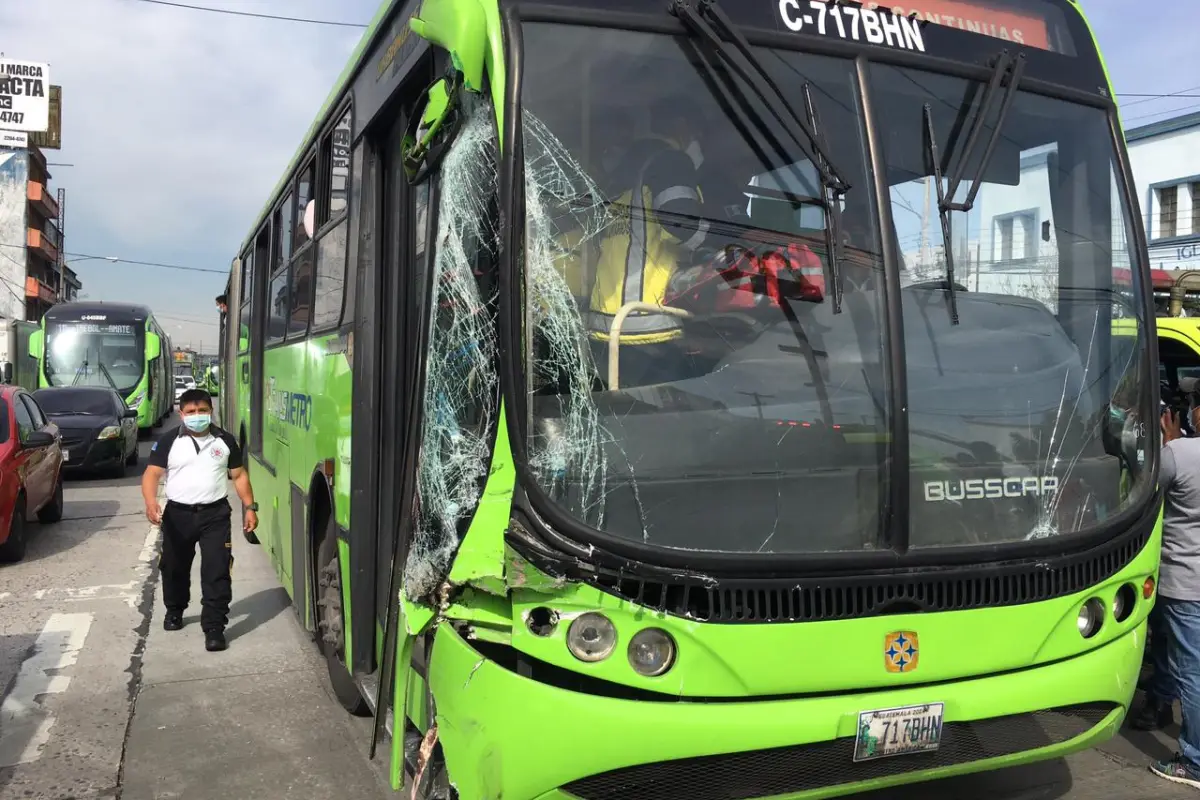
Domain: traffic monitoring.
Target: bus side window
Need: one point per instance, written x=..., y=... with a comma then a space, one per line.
x=278, y=300
x=246, y=300
x=331, y=247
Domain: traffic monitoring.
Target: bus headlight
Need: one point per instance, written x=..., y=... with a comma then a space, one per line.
x=137, y=399
x=111, y=432
x=1124, y=602
x=651, y=652
x=591, y=637
x=1091, y=617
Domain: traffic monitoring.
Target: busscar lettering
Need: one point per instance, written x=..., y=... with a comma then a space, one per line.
x=860, y=23
x=989, y=488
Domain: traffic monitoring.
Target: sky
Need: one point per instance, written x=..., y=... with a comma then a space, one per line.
x=178, y=123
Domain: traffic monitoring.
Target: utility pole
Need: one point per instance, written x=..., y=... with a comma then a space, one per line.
x=62, y=240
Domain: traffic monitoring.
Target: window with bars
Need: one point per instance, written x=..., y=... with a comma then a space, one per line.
x=1168, y=211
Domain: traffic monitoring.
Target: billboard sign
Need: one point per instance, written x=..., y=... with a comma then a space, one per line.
x=24, y=95
x=51, y=138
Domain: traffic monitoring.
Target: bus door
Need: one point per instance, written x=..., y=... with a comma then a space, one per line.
x=395, y=235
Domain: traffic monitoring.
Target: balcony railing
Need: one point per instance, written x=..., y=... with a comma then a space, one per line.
x=39, y=244
x=40, y=197
x=36, y=289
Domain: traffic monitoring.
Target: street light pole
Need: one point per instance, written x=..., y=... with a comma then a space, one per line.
x=62, y=278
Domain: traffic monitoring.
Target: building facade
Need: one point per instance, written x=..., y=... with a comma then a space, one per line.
x=1165, y=157
x=33, y=275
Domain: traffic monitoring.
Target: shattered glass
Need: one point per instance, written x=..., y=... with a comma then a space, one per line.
x=565, y=215
x=462, y=383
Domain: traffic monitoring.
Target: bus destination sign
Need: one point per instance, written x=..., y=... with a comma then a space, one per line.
x=899, y=24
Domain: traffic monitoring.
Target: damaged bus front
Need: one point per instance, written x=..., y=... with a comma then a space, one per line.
x=806, y=363
x=731, y=390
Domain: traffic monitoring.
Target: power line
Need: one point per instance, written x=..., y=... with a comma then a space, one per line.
x=188, y=320
x=1146, y=98
x=1179, y=110
x=278, y=18
x=130, y=261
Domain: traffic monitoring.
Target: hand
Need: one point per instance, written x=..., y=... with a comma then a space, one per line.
x=1171, y=428
x=154, y=513
x=249, y=522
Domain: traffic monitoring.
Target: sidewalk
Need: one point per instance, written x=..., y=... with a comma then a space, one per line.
x=256, y=721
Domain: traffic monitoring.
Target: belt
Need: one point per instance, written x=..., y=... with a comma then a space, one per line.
x=198, y=506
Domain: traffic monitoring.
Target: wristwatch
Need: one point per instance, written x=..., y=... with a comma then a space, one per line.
x=252, y=507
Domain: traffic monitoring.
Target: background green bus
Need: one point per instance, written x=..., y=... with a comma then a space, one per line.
x=108, y=344
x=882, y=530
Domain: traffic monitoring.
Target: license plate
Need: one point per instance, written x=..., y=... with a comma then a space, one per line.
x=898, y=731
x=66, y=455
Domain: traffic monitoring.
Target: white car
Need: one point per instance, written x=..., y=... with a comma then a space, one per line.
x=182, y=384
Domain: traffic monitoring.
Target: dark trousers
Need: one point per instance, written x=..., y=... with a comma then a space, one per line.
x=184, y=527
x=1160, y=689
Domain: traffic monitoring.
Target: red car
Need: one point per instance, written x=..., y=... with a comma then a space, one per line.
x=31, y=464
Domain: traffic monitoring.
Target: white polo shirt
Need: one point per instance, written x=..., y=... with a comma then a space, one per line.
x=197, y=466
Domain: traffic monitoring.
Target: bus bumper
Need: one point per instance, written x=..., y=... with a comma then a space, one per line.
x=507, y=736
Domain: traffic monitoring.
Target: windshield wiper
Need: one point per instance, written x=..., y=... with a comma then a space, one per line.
x=832, y=198
x=946, y=195
x=800, y=129
x=81, y=371
x=108, y=377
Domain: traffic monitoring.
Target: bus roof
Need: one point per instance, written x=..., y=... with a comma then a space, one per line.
x=340, y=86
x=75, y=310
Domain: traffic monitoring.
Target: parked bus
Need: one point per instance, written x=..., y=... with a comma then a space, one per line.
x=114, y=345
x=594, y=485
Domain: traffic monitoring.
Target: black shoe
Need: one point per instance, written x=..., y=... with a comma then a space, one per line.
x=172, y=621
x=214, y=641
x=1153, y=717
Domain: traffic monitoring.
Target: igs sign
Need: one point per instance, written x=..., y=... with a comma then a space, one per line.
x=24, y=96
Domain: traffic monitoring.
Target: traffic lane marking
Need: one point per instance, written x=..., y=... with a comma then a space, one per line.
x=25, y=722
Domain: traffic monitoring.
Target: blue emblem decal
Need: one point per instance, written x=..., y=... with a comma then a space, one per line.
x=900, y=651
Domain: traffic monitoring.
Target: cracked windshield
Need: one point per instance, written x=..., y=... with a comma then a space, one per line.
x=705, y=376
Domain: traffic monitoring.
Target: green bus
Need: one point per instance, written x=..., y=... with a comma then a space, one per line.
x=851, y=521
x=108, y=344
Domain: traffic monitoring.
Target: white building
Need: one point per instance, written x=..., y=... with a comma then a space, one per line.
x=1165, y=157
x=1017, y=240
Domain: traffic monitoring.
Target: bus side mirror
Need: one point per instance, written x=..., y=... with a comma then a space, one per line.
x=460, y=28
x=6, y=372
x=153, y=346
x=431, y=132
x=1046, y=231
x=35, y=343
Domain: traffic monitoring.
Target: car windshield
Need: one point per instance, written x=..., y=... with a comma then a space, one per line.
x=60, y=402
x=110, y=355
x=751, y=414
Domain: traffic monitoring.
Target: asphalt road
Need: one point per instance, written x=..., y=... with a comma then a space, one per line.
x=100, y=702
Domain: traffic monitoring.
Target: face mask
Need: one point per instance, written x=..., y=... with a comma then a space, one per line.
x=197, y=422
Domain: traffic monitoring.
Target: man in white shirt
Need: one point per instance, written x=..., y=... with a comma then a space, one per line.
x=197, y=459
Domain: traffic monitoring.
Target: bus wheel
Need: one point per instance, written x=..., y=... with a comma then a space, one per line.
x=331, y=634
